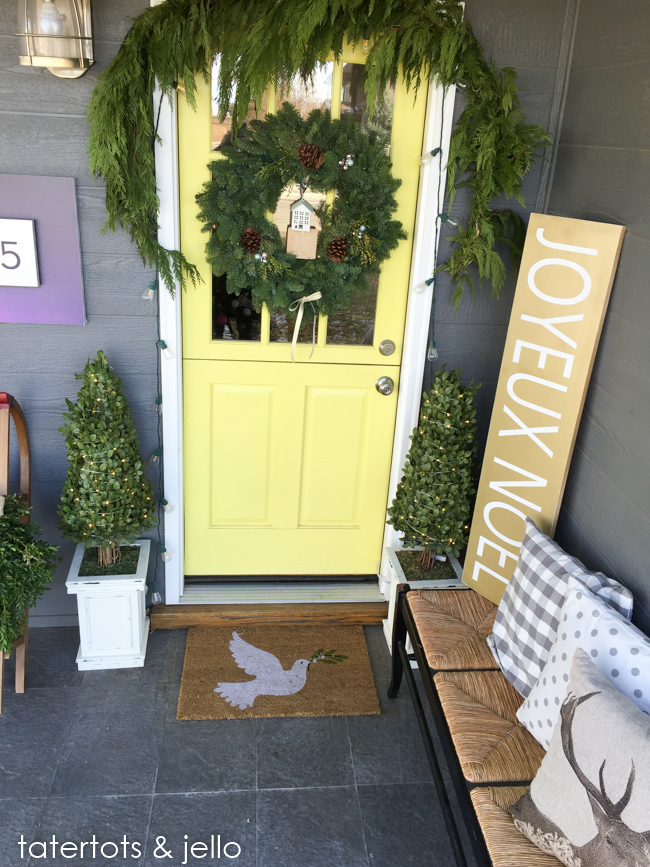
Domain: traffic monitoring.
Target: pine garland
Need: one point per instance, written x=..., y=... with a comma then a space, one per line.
x=492, y=147
x=357, y=232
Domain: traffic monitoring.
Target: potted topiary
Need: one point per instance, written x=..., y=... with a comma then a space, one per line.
x=433, y=504
x=26, y=568
x=106, y=503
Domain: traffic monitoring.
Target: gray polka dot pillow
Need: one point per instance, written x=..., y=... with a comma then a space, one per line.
x=619, y=650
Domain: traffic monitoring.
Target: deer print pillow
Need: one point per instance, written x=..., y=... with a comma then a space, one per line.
x=589, y=804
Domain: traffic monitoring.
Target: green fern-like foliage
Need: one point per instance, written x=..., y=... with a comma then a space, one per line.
x=26, y=568
x=260, y=42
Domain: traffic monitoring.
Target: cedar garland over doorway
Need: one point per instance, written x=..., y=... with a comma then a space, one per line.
x=491, y=151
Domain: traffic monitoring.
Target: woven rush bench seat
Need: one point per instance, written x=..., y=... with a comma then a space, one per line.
x=490, y=755
x=507, y=847
x=453, y=626
x=491, y=744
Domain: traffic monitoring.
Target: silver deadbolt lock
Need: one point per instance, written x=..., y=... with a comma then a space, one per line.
x=385, y=385
x=387, y=347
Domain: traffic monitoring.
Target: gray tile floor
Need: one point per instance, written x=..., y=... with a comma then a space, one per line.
x=101, y=754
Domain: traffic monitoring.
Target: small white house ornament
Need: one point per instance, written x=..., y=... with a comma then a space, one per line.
x=301, y=212
x=302, y=237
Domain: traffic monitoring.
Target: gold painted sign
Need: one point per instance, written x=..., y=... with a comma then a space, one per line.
x=566, y=276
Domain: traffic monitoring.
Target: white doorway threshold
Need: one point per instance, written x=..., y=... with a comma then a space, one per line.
x=269, y=592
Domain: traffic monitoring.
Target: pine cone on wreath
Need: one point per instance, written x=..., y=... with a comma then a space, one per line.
x=310, y=156
x=251, y=240
x=337, y=249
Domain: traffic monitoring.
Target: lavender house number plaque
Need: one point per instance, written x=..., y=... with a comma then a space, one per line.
x=40, y=258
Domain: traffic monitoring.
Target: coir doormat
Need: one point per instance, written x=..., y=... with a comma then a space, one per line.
x=276, y=671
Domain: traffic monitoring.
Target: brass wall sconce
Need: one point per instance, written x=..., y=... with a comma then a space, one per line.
x=56, y=34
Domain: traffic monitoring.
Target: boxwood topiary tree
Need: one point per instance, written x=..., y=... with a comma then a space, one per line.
x=26, y=568
x=106, y=500
x=434, y=500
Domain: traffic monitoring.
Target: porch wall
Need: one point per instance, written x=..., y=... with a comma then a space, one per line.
x=43, y=132
x=528, y=37
x=603, y=173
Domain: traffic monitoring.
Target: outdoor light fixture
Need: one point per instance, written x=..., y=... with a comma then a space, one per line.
x=56, y=34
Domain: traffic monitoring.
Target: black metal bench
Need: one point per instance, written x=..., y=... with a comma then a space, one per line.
x=490, y=756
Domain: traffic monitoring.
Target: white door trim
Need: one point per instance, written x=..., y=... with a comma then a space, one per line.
x=437, y=133
x=171, y=368
x=415, y=336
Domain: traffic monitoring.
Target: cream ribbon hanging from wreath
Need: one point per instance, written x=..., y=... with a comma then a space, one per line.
x=357, y=234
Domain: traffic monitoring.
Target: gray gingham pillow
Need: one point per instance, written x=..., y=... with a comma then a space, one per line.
x=527, y=619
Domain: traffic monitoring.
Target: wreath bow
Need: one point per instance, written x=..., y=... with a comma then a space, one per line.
x=299, y=305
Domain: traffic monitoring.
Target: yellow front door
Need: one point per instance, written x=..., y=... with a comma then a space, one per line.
x=287, y=464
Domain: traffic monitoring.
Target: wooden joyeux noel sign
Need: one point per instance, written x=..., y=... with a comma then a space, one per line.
x=566, y=276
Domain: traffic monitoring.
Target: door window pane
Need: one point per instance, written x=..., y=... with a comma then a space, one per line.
x=233, y=317
x=355, y=325
x=221, y=129
x=354, y=101
x=282, y=328
x=305, y=96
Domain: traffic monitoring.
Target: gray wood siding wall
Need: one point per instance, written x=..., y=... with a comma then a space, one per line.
x=528, y=37
x=43, y=131
x=603, y=174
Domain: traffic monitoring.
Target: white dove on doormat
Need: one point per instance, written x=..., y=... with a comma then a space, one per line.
x=270, y=677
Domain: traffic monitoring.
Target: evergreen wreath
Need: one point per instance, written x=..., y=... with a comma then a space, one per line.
x=320, y=154
x=492, y=147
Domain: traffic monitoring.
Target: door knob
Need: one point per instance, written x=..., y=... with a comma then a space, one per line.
x=385, y=385
x=387, y=347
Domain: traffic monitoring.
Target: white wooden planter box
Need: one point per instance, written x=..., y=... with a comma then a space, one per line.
x=397, y=577
x=113, y=625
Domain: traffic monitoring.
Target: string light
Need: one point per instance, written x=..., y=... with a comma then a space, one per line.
x=166, y=351
x=167, y=506
x=428, y=156
x=166, y=556
x=150, y=291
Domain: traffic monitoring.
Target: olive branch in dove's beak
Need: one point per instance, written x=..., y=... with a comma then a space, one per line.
x=331, y=657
